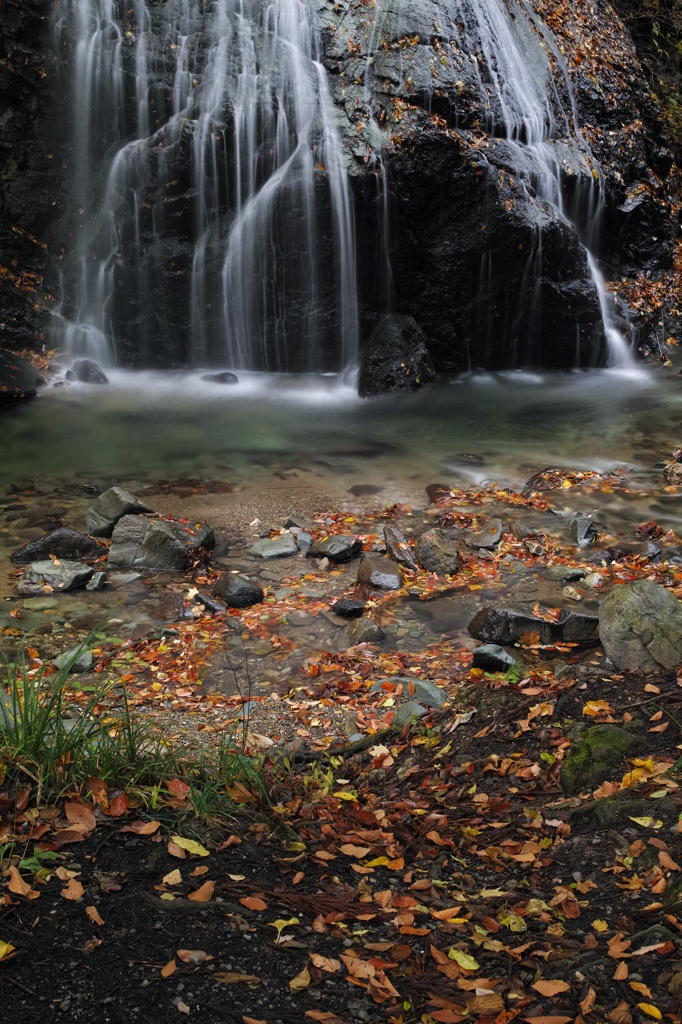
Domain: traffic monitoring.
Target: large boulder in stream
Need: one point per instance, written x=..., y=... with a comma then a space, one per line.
x=160, y=544
x=112, y=505
x=18, y=379
x=506, y=626
x=395, y=358
x=640, y=626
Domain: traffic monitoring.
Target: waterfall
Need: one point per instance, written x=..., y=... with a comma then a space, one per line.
x=221, y=108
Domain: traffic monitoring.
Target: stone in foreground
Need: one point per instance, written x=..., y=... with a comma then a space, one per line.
x=276, y=547
x=340, y=547
x=640, y=626
x=348, y=608
x=395, y=358
x=398, y=549
x=62, y=543
x=57, y=576
x=406, y=712
x=379, y=573
x=141, y=543
x=493, y=658
x=437, y=552
x=238, y=591
x=365, y=631
x=488, y=537
x=112, y=505
x=507, y=626
x=598, y=755
x=82, y=663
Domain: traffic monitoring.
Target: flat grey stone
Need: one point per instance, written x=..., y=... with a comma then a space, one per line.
x=398, y=549
x=141, y=543
x=493, y=658
x=277, y=547
x=424, y=691
x=337, y=548
x=60, y=576
x=640, y=626
x=40, y=604
x=567, y=573
x=110, y=507
x=303, y=539
x=406, y=712
x=487, y=537
x=365, y=631
x=81, y=664
x=379, y=573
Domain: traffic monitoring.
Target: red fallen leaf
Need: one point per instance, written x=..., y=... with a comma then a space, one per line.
x=178, y=788
x=78, y=813
x=409, y=930
x=22, y=799
x=65, y=836
x=438, y=955
x=38, y=831
x=118, y=804
x=446, y=1016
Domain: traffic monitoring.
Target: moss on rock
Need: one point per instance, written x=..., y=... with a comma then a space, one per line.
x=595, y=756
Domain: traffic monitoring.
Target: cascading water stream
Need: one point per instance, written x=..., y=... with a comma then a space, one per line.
x=225, y=108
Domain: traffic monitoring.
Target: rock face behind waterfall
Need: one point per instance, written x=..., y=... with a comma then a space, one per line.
x=449, y=220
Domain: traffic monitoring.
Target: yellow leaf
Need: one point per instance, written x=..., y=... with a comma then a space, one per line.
x=280, y=924
x=378, y=862
x=465, y=961
x=190, y=846
x=301, y=980
x=647, y=822
x=599, y=926
x=5, y=949
x=343, y=795
x=650, y=1010
x=173, y=877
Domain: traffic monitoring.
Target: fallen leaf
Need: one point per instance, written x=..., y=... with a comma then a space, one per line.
x=621, y=972
x=600, y=926
x=118, y=804
x=173, y=877
x=319, y=924
x=169, y=969
x=201, y=869
x=301, y=980
x=325, y=963
x=234, y=978
x=176, y=851
x=252, y=1020
x=354, y=851
x=650, y=1010
x=73, y=891
x=93, y=914
x=183, y=1008
x=463, y=959
x=253, y=903
x=550, y=988
x=203, y=894
x=191, y=846
x=666, y=862
x=621, y=1014
x=5, y=949
x=281, y=923
x=641, y=989
x=193, y=956
x=587, y=1003
x=16, y=883
x=79, y=813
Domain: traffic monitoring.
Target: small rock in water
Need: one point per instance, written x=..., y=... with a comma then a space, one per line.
x=365, y=631
x=224, y=377
x=605, y=556
x=493, y=658
x=581, y=531
x=572, y=594
x=398, y=549
x=653, y=552
x=422, y=690
x=57, y=576
x=359, y=490
x=141, y=543
x=379, y=573
x=238, y=591
x=437, y=552
x=276, y=547
x=406, y=712
x=640, y=627
x=434, y=492
x=348, y=608
x=488, y=537
x=564, y=573
x=520, y=531
x=506, y=626
x=82, y=663
x=18, y=379
x=97, y=581
x=593, y=580
x=212, y=604
x=87, y=371
x=338, y=547
x=303, y=539
x=300, y=522
x=112, y=505
x=62, y=543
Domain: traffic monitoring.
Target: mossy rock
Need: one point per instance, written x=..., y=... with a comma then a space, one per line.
x=592, y=760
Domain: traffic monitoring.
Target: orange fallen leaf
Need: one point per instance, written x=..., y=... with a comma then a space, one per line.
x=298, y=877
x=550, y=988
x=16, y=883
x=118, y=804
x=324, y=963
x=176, y=851
x=169, y=969
x=73, y=891
x=204, y=893
x=587, y=1004
x=253, y=903
x=93, y=914
x=621, y=972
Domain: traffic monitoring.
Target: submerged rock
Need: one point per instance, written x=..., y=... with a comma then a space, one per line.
x=640, y=626
x=506, y=626
x=348, y=608
x=18, y=379
x=62, y=543
x=395, y=358
x=238, y=591
x=365, y=631
x=438, y=552
x=59, y=576
x=87, y=371
x=398, y=549
x=276, y=547
x=112, y=505
x=337, y=548
x=379, y=573
x=141, y=543
x=224, y=377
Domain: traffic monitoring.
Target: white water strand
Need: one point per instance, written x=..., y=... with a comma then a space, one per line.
x=223, y=109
